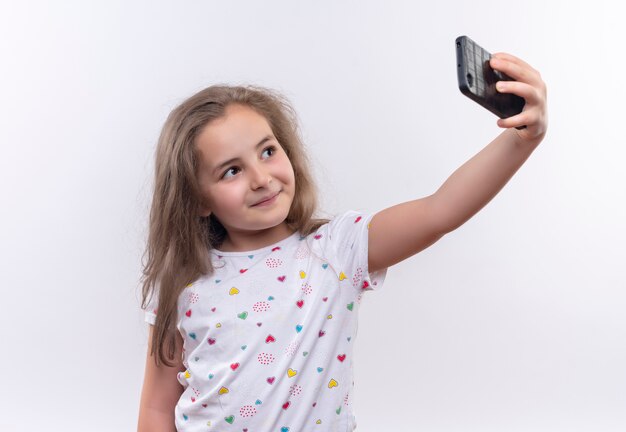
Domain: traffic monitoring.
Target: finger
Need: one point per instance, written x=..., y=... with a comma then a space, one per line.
x=512, y=59
x=515, y=71
x=521, y=89
x=517, y=121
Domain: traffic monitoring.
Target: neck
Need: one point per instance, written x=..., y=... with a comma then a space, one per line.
x=241, y=241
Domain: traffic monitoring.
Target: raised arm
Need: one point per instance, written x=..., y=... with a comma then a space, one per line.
x=403, y=230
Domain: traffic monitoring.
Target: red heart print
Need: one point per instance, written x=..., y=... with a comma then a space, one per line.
x=317, y=237
x=281, y=278
x=259, y=324
x=300, y=303
x=314, y=403
x=188, y=313
x=204, y=405
x=365, y=284
x=212, y=309
x=269, y=339
x=357, y=219
x=234, y=366
x=211, y=341
x=270, y=380
x=341, y=357
x=322, y=333
x=286, y=405
x=193, y=399
x=276, y=248
x=243, y=270
x=325, y=298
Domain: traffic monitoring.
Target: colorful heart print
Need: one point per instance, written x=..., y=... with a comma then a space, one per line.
x=295, y=390
x=273, y=262
x=266, y=358
x=247, y=411
x=261, y=306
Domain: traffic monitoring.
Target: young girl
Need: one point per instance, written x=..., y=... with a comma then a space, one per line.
x=253, y=302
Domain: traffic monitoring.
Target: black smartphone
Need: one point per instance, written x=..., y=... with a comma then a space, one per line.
x=477, y=80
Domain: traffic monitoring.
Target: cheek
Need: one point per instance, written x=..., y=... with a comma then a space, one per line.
x=227, y=197
x=287, y=171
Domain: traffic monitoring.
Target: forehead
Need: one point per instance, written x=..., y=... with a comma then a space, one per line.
x=240, y=129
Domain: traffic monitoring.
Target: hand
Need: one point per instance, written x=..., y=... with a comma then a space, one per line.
x=529, y=85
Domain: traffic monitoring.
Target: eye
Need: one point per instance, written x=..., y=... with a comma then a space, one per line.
x=271, y=149
x=225, y=175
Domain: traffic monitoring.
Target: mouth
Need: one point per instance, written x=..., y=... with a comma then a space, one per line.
x=266, y=199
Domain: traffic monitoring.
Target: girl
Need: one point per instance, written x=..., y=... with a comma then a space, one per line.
x=252, y=301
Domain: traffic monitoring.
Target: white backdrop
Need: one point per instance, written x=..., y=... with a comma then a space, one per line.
x=514, y=322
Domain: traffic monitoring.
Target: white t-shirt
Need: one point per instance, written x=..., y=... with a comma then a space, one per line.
x=269, y=336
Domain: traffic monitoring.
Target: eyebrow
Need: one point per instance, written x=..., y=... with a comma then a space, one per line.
x=229, y=161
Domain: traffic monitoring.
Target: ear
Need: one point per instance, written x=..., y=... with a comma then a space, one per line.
x=205, y=211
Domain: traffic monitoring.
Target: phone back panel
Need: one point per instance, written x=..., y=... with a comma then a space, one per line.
x=477, y=80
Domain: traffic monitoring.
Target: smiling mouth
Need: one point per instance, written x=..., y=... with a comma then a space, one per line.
x=266, y=199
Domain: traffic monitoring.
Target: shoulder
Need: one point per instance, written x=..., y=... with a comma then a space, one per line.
x=343, y=219
x=350, y=220
x=342, y=231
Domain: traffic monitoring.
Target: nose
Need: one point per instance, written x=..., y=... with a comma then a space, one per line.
x=259, y=177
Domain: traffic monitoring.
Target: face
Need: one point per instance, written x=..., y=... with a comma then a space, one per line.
x=241, y=165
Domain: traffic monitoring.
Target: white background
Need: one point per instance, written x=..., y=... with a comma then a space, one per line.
x=514, y=322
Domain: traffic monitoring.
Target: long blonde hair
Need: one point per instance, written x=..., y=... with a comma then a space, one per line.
x=179, y=239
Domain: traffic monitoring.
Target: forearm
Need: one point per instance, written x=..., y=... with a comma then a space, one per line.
x=152, y=420
x=161, y=391
x=478, y=180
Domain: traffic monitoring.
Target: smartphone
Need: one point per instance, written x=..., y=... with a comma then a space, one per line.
x=477, y=80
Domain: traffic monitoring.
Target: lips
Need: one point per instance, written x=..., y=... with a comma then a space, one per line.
x=267, y=198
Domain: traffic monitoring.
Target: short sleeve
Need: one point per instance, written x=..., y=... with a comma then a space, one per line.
x=347, y=246
x=150, y=310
